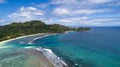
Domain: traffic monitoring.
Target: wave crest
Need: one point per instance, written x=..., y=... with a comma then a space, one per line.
x=53, y=58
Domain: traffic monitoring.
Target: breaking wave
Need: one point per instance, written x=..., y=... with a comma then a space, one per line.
x=31, y=42
x=53, y=58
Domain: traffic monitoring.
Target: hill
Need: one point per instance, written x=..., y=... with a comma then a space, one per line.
x=30, y=27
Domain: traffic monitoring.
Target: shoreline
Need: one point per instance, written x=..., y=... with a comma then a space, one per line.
x=44, y=53
x=19, y=37
x=52, y=57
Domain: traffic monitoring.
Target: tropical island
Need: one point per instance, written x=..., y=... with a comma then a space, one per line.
x=17, y=29
x=35, y=56
x=59, y=33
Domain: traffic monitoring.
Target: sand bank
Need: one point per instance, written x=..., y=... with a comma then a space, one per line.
x=5, y=41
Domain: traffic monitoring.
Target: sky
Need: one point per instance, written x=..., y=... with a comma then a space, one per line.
x=65, y=12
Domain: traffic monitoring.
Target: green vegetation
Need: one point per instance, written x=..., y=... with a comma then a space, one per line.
x=32, y=27
x=82, y=29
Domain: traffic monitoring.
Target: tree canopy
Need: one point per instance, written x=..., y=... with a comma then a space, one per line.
x=32, y=27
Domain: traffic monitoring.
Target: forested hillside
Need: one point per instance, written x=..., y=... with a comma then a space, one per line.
x=31, y=27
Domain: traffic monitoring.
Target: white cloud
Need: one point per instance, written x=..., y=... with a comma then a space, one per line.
x=114, y=4
x=78, y=12
x=61, y=11
x=2, y=20
x=1, y=1
x=68, y=12
x=82, y=5
x=89, y=11
x=85, y=21
x=72, y=12
x=63, y=1
x=67, y=21
x=79, y=18
x=79, y=3
x=26, y=14
x=78, y=7
x=102, y=21
x=97, y=1
x=100, y=1
x=43, y=5
x=74, y=2
x=73, y=19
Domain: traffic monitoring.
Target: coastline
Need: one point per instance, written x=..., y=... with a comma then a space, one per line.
x=5, y=41
x=40, y=54
x=53, y=58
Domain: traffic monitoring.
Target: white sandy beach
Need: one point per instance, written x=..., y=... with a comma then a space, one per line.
x=5, y=41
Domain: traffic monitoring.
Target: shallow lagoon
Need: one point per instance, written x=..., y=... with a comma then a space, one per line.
x=97, y=48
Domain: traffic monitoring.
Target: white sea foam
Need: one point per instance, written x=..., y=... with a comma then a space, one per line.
x=54, y=59
x=31, y=42
x=76, y=64
x=4, y=47
x=28, y=47
x=39, y=49
x=68, y=31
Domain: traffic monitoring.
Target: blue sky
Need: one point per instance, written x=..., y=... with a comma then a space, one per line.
x=65, y=12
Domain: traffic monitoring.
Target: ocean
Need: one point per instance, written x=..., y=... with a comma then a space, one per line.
x=99, y=47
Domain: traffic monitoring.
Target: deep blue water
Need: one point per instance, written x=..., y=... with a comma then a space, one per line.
x=97, y=48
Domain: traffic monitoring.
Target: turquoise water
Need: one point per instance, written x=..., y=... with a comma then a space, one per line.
x=97, y=48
